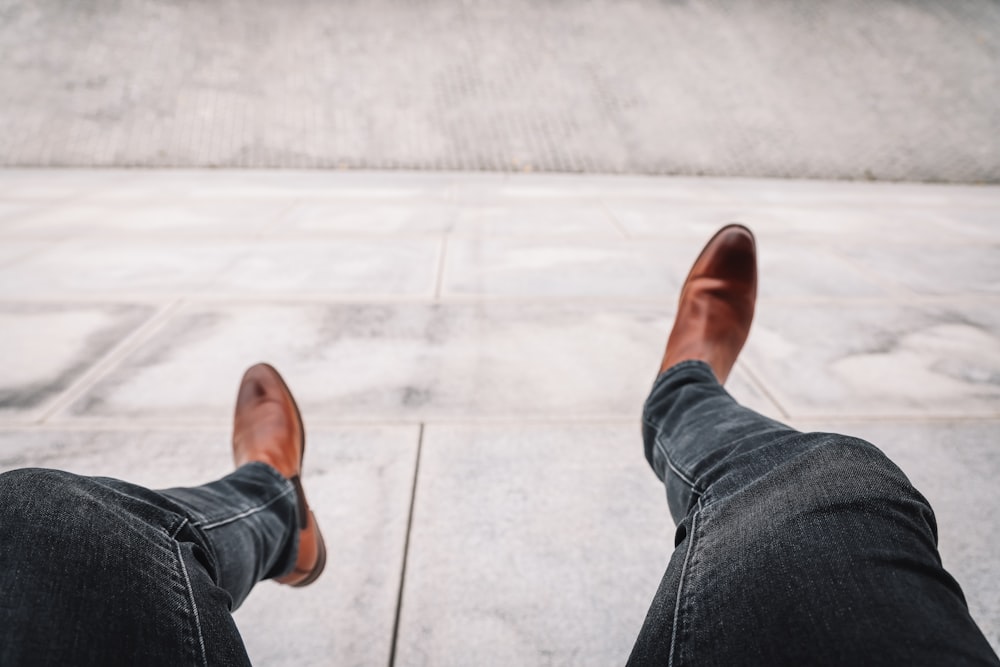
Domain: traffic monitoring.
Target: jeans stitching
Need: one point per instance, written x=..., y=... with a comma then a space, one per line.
x=173, y=533
x=684, y=477
x=194, y=604
x=676, y=368
x=680, y=584
x=215, y=523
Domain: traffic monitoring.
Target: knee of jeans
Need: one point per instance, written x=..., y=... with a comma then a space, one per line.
x=850, y=473
x=29, y=482
x=40, y=498
x=24, y=481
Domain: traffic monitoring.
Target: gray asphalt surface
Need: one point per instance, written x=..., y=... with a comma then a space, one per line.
x=854, y=89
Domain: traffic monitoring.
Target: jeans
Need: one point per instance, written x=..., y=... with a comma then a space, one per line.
x=791, y=548
x=96, y=571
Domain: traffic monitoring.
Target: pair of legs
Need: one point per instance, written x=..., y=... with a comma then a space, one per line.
x=791, y=548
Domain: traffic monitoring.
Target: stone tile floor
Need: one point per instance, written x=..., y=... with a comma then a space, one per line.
x=471, y=352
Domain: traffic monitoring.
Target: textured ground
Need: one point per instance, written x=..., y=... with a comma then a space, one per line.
x=475, y=349
x=856, y=89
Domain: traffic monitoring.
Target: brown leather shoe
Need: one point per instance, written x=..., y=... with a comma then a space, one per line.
x=717, y=303
x=268, y=428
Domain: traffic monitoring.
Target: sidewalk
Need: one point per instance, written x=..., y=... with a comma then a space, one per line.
x=471, y=352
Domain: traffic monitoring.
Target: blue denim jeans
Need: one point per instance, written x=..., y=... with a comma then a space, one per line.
x=791, y=548
x=96, y=571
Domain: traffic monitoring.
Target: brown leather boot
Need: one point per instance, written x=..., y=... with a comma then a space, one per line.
x=268, y=428
x=717, y=303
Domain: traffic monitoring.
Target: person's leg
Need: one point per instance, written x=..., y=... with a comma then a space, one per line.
x=791, y=548
x=99, y=571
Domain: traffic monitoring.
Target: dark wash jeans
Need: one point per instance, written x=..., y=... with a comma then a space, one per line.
x=792, y=548
x=96, y=571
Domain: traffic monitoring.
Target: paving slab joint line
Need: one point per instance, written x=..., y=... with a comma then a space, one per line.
x=28, y=254
x=284, y=213
x=439, y=283
x=106, y=363
x=614, y=219
x=762, y=388
x=406, y=547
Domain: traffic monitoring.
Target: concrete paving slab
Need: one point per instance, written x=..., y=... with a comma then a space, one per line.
x=359, y=482
x=953, y=270
x=486, y=187
x=15, y=210
x=976, y=223
x=25, y=185
x=494, y=267
x=86, y=268
x=649, y=216
x=954, y=465
x=46, y=348
x=178, y=267
x=876, y=224
x=399, y=362
x=517, y=518
x=798, y=192
x=647, y=268
x=576, y=503
x=878, y=360
x=802, y=270
x=177, y=217
x=12, y=251
x=537, y=217
x=380, y=216
x=394, y=267
x=267, y=184
x=531, y=545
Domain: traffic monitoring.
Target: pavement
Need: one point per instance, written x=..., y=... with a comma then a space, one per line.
x=884, y=90
x=470, y=352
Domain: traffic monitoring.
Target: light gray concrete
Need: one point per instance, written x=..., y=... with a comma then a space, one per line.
x=519, y=319
x=404, y=267
x=532, y=545
x=390, y=362
x=47, y=347
x=856, y=89
x=930, y=360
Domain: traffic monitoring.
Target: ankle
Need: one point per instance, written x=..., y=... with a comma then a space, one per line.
x=269, y=459
x=720, y=358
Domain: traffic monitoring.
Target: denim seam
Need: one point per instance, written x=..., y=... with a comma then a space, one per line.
x=680, y=584
x=173, y=533
x=676, y=368
x=215, y=523
x=684, y=477
x=194, y=604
